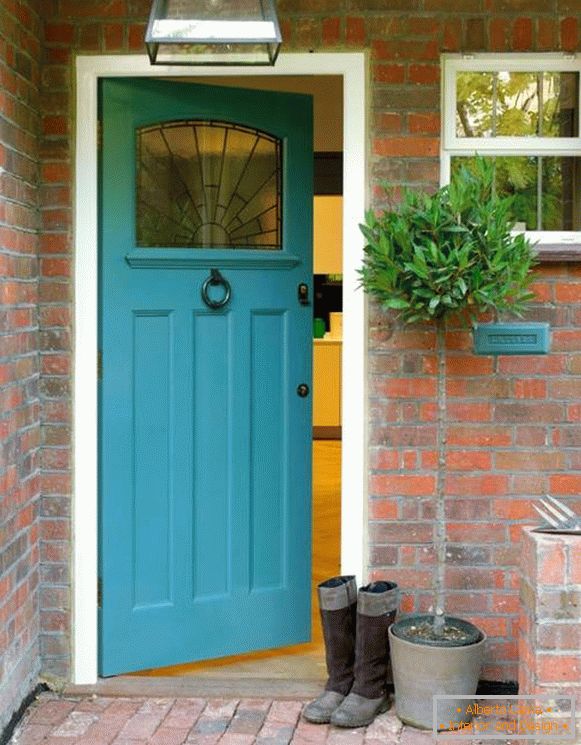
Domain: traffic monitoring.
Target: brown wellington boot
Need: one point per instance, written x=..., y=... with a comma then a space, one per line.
x=338, y=605
x=376, y=608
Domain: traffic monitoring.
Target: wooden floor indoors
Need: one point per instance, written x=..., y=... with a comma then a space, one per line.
x=303, y=661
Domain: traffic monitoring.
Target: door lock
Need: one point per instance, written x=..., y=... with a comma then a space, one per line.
x=303, y=292
x=303, y=390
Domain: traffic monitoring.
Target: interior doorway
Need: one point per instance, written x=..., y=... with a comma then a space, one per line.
x=306, y=661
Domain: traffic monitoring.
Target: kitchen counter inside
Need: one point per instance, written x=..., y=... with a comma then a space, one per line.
x=327, y=387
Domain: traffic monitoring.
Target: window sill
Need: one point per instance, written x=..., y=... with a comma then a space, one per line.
x=559, y=252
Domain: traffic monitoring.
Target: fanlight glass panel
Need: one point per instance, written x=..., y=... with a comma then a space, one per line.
x=207, y=184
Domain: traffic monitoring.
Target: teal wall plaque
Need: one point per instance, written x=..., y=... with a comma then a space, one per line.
x=511, y=338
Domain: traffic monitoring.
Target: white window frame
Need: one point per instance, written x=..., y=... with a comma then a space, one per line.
x=551, y=245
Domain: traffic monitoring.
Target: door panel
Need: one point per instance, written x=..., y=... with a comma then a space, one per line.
x=205, y=467
x=268, y=340
x=212, y=454
x=153, y=442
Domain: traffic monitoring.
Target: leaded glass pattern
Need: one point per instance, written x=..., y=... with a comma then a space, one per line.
x=208, y=184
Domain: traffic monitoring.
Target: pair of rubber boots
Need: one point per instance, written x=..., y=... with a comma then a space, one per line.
x=355, y=626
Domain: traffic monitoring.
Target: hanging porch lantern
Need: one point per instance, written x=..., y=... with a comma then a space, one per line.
x=213, y=32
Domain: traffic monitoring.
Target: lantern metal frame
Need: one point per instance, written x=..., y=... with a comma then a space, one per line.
x=198, y=45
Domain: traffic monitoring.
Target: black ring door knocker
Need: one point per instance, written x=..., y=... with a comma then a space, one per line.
x=214, y=279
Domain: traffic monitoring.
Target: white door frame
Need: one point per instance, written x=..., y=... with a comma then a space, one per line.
x=352, y=67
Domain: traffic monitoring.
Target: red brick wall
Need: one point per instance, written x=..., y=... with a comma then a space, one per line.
x=512, y=436
x=513, y=432
x=20, y=32
x=550, y=633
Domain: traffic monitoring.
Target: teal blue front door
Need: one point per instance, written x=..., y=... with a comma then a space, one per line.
x=205, y=466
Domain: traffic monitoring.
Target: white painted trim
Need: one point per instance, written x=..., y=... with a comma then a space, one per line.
x=514, y=145
x=518, y=61
x=85, y=405
x=352, y=66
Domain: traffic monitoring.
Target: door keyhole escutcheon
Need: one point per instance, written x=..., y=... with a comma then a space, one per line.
x=214, y=279
x=303, y=390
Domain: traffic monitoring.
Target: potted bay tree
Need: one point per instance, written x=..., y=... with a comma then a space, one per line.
x=427, y=258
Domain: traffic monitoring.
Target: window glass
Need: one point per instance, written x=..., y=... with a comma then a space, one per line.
x=545, y=190
x=204, y=184
x=517, y=104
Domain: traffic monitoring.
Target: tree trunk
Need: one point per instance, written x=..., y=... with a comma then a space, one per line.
x=440, y=512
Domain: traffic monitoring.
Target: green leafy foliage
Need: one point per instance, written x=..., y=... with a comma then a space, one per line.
x=448, y=252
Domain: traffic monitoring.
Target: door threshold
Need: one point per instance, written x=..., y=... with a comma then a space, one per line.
x=202, y=687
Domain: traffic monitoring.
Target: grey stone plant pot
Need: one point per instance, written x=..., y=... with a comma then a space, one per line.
x=422, y=670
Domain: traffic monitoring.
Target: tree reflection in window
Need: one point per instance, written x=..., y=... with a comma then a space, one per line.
x=207, y=184
x=545, y=187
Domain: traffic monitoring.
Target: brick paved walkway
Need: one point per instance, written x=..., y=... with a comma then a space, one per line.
x=101, y=720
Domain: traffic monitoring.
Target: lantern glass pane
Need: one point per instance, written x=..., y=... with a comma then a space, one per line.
x=219, y=32
x=207, y=19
